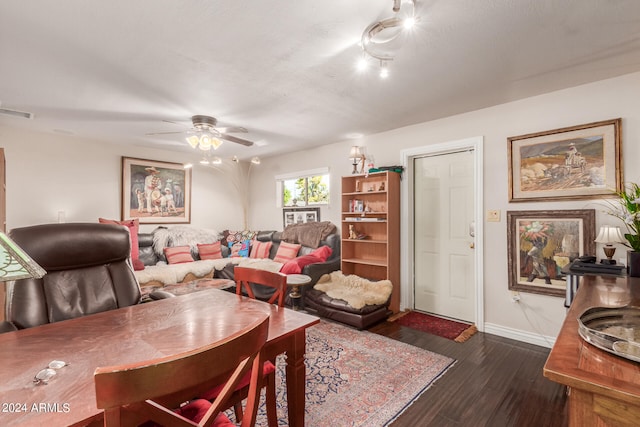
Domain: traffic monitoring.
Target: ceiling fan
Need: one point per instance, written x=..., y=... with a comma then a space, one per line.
x=205, y=134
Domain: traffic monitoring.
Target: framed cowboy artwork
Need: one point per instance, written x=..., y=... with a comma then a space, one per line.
x=578, y=162
x=155, y=192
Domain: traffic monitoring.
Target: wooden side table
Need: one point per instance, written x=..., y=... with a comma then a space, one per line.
x=295, y=281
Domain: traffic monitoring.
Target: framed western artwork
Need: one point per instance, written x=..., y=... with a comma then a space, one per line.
x=300, y=215
x=541, y=243
x=155, y=192
x=578, y=162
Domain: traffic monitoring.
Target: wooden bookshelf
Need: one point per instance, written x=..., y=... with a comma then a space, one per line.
x=371, y=204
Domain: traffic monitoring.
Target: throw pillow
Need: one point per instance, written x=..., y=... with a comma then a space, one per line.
x=133, y=225
x=178, y=254
x=240, y=249
x=210, y=250
x=260, y=249
x=296, y=265
x=286, y=252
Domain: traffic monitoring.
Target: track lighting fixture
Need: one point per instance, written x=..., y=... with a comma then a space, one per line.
x=377, y=37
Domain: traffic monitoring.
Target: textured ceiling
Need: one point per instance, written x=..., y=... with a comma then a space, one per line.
x=285, y=70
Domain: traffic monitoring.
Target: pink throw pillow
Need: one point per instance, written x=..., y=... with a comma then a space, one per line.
x=210, y=250
x=296, y=265
x=133, y=225
x=178, y=254
x=286, y=252
x=323, y=252
x=260, y=249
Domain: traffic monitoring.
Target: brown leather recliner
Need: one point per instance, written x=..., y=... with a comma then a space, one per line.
x=88, y=271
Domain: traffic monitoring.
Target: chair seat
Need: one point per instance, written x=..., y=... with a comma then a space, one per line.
x=267, y=369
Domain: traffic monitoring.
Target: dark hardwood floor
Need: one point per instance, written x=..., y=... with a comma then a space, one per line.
x=495, y=382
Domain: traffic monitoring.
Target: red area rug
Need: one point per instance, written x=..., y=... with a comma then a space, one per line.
x=445, y=328
x=357, y=378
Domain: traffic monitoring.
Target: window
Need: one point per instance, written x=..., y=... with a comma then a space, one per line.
x=310, y=188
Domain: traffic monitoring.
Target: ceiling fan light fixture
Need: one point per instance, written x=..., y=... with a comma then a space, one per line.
x=215, y=143
x=193, y=141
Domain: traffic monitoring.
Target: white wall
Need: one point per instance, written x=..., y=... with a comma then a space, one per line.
x=535, y=315
x=47, y=173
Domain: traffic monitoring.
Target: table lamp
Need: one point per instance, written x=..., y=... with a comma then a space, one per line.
x=15, y=264
x=355, y=155
x=609, y=235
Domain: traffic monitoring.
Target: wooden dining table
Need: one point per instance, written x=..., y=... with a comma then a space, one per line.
x=133, y=334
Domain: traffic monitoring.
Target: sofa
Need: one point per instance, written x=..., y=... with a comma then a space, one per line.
x=315, y=270
x=157, y=273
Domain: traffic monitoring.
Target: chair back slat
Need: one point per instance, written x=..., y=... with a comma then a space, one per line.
x=244, y=277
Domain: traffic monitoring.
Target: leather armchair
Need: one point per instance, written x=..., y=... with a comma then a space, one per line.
x=88, y=271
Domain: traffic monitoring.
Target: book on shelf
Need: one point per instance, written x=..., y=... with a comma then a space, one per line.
x=356, y=205
x=363, y=219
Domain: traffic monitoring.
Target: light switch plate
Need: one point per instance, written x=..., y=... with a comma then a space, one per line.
x=493, y=216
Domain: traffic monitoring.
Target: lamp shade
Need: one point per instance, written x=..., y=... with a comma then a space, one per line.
x=609, y=234
x=355, y=152
x=15, y=264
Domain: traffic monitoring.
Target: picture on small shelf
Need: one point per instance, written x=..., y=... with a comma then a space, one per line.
x=300, y=215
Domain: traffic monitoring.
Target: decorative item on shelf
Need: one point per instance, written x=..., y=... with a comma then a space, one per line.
x=609, y=235
x=627, y=209
x=355, y=155
x=15, y=264
x=352, y=232
x=381, y=188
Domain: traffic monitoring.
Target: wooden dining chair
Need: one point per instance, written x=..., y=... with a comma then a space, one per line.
x=152, y=392
x=245, y=279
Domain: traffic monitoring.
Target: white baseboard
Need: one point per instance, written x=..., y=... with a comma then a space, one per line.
x=518, y=335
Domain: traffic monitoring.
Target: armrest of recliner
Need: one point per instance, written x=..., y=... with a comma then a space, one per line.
x=316, y=270
x=158, y=295
x=7, y=327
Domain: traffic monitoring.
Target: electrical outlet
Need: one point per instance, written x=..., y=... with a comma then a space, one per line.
x=493, y=216
x=515, y=296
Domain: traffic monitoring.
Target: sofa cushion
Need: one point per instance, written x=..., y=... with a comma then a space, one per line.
x=178, y=254
x=210, y=250
x=260, y=249
x=286, y=252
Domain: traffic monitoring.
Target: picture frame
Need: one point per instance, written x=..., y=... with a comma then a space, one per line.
x=541, y=242
x=155, y=192
x=577, y=162
x=299, y=215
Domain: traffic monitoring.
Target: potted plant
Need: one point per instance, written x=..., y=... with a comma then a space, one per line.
x=627, y=209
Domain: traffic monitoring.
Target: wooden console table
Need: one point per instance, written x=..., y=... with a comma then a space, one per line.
x=603, y=389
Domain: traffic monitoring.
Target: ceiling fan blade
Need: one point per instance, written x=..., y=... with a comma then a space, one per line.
x=232, y=129
x=164, y=133
x=236, y=139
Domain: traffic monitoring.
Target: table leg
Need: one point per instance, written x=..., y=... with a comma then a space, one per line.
x=296, y=380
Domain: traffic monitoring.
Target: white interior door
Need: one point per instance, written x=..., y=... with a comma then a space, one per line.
x=444, y=210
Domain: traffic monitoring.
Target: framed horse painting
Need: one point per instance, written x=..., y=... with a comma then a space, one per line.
x=578, y=162
x=155, y=192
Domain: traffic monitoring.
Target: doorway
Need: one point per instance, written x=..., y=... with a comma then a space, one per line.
x=442, y=237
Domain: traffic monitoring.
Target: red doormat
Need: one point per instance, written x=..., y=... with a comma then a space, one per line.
x=457, y=331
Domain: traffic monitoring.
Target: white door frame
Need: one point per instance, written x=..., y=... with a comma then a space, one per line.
x=406, y=227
